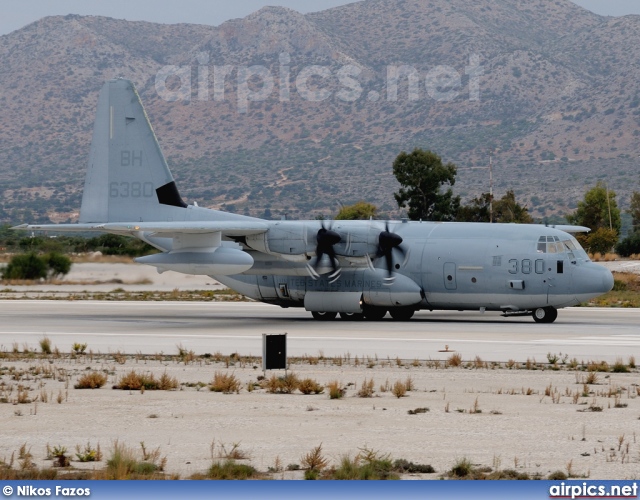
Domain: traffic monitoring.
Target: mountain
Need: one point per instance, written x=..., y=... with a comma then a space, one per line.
x=545, y=87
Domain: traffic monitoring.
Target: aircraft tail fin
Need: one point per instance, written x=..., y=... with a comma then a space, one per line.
x=127, y=177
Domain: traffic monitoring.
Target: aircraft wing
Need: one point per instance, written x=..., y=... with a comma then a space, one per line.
x=164, y=229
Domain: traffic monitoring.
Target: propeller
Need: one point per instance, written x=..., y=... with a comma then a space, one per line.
x=326, y=238
x=387, y=243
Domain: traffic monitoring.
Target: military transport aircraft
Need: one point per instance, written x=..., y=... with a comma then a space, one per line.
x=360, y=269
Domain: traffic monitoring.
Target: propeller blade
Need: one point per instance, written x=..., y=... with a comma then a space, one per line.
x=326, y=238
x=387, y=243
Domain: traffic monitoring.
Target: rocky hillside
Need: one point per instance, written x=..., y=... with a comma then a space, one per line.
x=555, y=100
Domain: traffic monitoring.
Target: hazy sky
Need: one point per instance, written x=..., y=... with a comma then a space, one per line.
x=15, y=15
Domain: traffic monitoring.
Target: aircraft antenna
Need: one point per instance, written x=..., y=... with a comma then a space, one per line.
x=491, y=189
x=606, y=185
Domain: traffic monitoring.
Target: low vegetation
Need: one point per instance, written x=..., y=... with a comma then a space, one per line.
x=135, y=381
x=91, y=380
x=226, y=383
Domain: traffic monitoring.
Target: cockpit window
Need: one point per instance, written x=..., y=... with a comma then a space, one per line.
x=570, y=246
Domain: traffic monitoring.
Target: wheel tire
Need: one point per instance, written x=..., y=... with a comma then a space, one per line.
x=373, y=313
x=324, y=316
x=351, y=316
x=402, y=313
x=545, y=314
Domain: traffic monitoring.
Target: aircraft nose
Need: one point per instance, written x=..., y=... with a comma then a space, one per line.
x=607, y=281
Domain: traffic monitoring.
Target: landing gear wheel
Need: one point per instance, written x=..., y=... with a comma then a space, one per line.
x=402, y=313
x=324, y=316
x=351, y=316
x=373, y=313
x=545, y=314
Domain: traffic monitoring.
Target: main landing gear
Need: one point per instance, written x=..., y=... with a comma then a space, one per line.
x=545, y=314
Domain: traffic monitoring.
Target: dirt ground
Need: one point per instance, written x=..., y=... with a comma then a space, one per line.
x=535, y=420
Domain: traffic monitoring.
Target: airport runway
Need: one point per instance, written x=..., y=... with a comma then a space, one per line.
x=153, y=327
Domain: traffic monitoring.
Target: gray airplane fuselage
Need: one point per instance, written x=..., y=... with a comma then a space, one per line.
x=500, y=267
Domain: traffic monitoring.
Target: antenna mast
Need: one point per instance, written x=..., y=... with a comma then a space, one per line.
x=491, y=189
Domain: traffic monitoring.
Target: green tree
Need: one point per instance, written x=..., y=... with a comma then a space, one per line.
x=596, y=211
x=505, y=210
x=358, y=211
x=630, y=245
x=421, y=175
x=634, y=210
x=602, y=240
x=476, y=211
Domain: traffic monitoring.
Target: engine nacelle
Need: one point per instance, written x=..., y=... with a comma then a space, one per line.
x=357, y=241
x=402, y=292
x=285, y=239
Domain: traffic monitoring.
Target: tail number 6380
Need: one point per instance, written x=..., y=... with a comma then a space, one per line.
x=131, y=190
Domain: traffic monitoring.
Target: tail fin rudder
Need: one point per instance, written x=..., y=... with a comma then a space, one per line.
x=127, y=178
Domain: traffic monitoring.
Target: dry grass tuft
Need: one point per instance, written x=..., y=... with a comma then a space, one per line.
x=225, y=383
x=91, y=380
x=310, y=386
x=135, y=381
x=367, y=389
x=314, y=460
x=399, y=389
x=282, y=385
x=454, y=360
x=335, y=390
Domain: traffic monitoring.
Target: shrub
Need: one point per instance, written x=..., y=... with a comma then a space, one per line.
x=79, y=348
x=602, y=240
x=282, y=385
x=91, y=380
x=335, y=391
x=462, y=468
x=619, y=366
x=366, y=390
x=404, y=466
x=225, y=383
x=45, y=345
x=399, y=389
x=124, y=464
x=367, y=465
x=454, y=360
x=314, y=460
x=25, y=267
x=89, y=454
x=58, y=264
x=136, y=381
x=630, y=245
x=308, y=386
x=229, y=469
x=558, y=476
